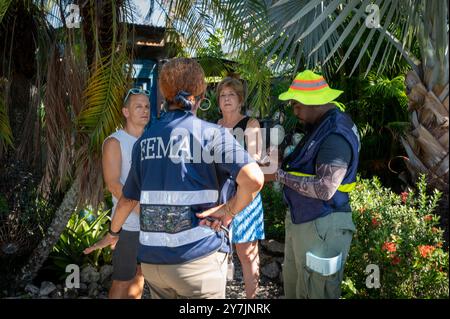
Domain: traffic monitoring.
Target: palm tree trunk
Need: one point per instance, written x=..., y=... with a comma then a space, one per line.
x=427, y=142
x=43, y=249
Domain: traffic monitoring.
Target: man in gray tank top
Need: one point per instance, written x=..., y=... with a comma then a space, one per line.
x=128, y=281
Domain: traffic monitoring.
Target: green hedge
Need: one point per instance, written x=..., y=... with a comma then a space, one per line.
x=400, y=235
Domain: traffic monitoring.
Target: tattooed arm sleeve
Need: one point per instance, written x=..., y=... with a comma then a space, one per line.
x=322, y=186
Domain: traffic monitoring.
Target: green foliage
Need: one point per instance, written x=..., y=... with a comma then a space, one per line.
x=214, y=46
x=213, y=113
x=82, y=231
x=258, y=76
x=4, y=5
x=6, y=138
x=24, y=218
x=22, y=206
x=399, y=234
x=3, y=207
x=103, y=96
x=274, y=211
x=378, y=106
x=379, y=85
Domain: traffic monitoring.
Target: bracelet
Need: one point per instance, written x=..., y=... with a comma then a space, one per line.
x=112, y=233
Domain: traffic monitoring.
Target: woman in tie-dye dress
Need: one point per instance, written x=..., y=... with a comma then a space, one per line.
x=248, y=226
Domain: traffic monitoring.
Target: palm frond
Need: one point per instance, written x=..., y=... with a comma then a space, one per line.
x=4, y=5
x=251, y=67
x=58, y=124
x=314, y=31
x=191, y=21
x=103, y=99
x=241, y=20
x=6, y=138
x=381, y=85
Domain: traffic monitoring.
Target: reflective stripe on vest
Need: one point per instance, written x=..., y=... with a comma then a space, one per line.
x=175, y=240
x=179, y=198
x=345, y=188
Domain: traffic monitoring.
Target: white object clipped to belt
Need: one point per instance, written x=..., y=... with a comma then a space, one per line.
x=324, y=266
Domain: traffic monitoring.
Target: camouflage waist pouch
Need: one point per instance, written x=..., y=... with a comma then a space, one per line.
x=167, y=219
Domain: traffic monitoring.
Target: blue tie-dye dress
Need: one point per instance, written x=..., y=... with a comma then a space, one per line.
x=247, y=225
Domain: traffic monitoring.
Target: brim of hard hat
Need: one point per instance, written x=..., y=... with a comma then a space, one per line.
x=311, y=97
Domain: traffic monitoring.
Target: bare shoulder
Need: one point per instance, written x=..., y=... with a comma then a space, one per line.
x=254, y=123
x=111, y=144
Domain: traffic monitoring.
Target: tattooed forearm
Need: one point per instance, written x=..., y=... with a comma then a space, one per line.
x=322, y=186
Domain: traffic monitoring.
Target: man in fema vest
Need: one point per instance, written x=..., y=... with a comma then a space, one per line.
x=317, y=178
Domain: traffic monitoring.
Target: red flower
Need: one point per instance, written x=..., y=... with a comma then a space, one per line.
x=427, y=218
x=404, y=196
x=395, y=260
x=375, y=222
x=390, y=247
x=426, y=250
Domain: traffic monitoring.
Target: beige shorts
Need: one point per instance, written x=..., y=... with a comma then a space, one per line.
x=204, y=278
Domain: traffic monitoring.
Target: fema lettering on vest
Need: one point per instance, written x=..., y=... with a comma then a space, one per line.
x=205, y=147
x=176, y=148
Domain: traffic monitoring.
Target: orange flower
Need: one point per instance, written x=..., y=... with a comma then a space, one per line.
x=395, y=260
x=426, y=250
x=362, y=210
x=427, y=218
x=404, y=196
x=375, y=222
x=439, y=244
x=390, y=247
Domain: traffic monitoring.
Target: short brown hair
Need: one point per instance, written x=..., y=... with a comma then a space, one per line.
x=181, y=74
x=234, y=84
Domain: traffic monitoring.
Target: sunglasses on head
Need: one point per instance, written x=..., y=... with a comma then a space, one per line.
x=135, y=91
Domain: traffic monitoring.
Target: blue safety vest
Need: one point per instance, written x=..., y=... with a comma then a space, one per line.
x=302, y=162
x=174, y=184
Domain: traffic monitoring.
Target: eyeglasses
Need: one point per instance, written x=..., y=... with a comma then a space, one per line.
x=135, y=91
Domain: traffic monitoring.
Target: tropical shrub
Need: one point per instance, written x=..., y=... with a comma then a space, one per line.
x=82, y=230
x=274, y=211
x=24, y=216
x=379, y=107
x=400, y=235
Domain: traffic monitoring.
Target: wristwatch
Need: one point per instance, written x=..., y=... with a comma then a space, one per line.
x=112, y=233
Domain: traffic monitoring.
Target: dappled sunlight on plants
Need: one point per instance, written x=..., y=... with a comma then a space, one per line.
x=83, y=230
x=399, y=234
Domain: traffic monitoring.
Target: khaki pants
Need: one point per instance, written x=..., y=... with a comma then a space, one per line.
x=325, y=237
x=201, y=278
